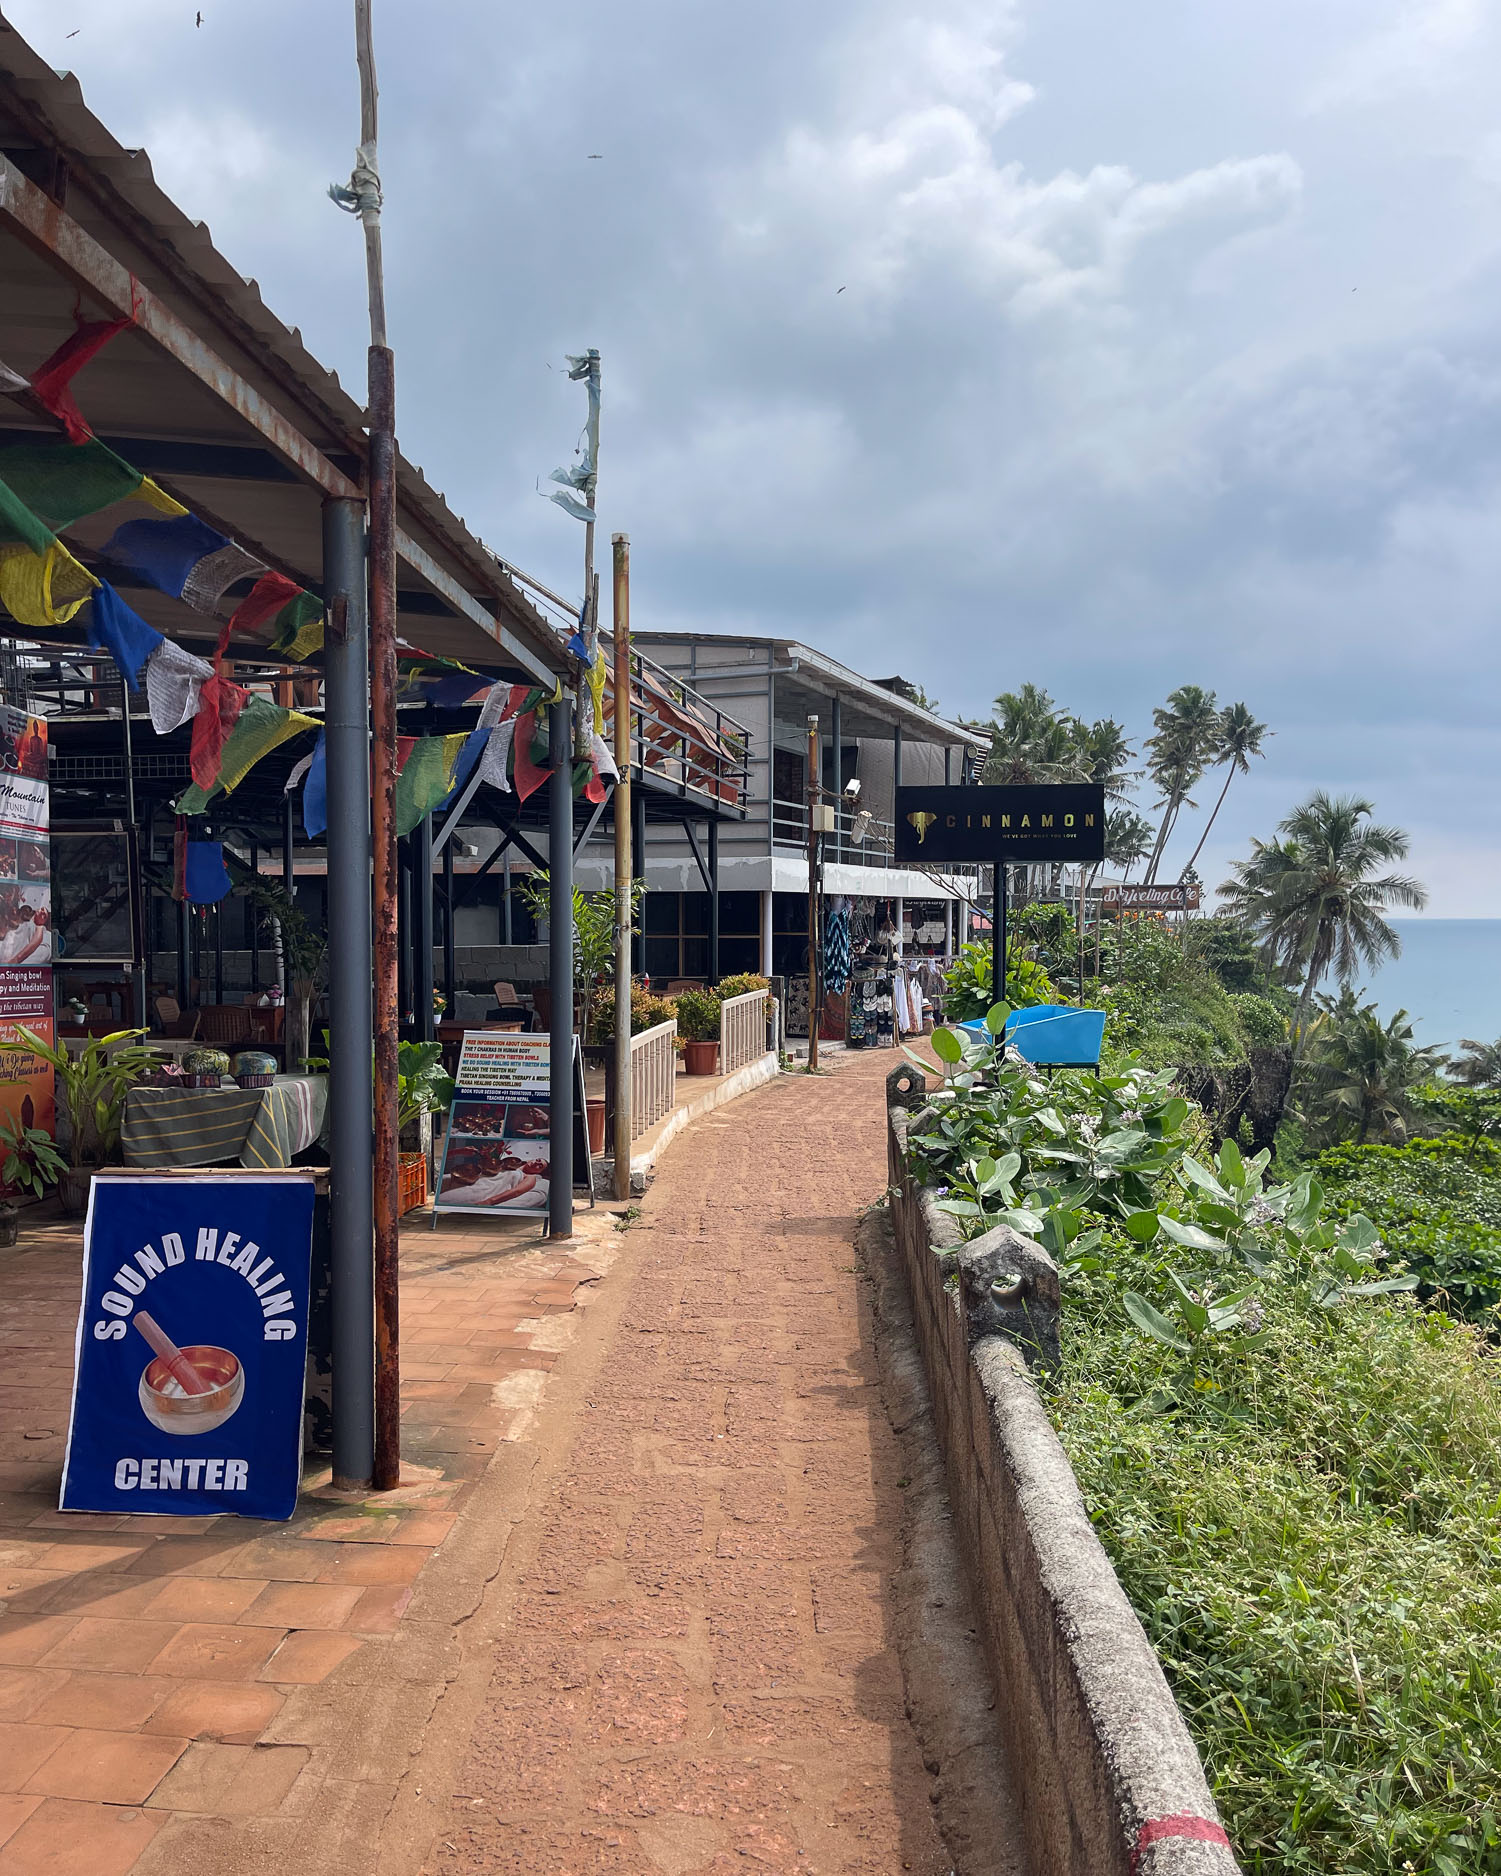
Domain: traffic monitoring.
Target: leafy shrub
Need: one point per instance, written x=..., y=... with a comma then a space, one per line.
x=646, y=1012
x=969, y=980
x=1438, y=1202
x=1263, y=1022
x=1167, y=1007
x=740, y=985
x=1311, y=1536
x=698, y=1015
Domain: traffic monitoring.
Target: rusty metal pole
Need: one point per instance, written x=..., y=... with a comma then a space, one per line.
x=621, y=624
x=381, y=418
x=815, y=790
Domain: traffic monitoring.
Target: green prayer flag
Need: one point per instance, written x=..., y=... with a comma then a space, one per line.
x=260, y=727
x=20, y=526
x=426, y=778
x=61, y=482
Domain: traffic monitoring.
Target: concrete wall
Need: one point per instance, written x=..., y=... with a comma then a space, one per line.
x=1109, y=1781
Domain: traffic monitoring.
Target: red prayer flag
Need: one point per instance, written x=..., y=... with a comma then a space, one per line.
x=219, y=705
x=529, y=778
x=265, y=599
x=51, y=378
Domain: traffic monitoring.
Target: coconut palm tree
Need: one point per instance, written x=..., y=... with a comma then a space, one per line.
x=1363, y=1070
x=1128, y=838
x=1187, y=735
x=1479, y=1064
x=1315, y=897
x=1239, y=739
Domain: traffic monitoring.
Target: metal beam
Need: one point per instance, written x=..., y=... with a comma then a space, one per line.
x=451, y=820
x=703, y=867
x=560, y=973
x=42, y=224
x=469, y=607
x=590, y=825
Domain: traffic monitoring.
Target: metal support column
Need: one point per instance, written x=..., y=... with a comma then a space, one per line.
x=638, y=871
x=448, y=934
x=184, y=952
x=834, y=850
x=998, y=934
x=896, y=756
x=288, y=849
x=253, y=920
x=560, y=935
x=351, y=1030
x=422, y=943
x=768, y=906
x=713, y=902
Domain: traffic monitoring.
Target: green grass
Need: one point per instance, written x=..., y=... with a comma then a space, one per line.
x=1312, y=1537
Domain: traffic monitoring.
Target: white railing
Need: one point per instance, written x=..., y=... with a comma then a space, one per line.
x=653, y=1075
x=742, y=1030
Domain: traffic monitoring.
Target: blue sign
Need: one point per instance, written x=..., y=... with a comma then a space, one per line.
x=191, y=1355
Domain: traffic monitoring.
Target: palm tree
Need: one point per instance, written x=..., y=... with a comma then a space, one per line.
x=1364, y=1070
x=1315, y=897
x=1188, y=729
x=1128, y=838
x=1240, y=739
x=1479, y=1066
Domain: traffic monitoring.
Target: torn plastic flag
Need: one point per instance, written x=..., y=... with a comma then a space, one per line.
x=123, y=633
x=260, y=727
x=174, y=679
x=51, y=379
x=184, y=557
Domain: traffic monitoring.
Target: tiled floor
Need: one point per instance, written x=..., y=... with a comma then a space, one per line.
x=145, y=1662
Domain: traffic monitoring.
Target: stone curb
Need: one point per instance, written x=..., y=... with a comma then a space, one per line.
x=1109, y=1781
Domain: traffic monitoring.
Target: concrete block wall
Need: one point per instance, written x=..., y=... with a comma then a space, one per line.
x=1109, y=1780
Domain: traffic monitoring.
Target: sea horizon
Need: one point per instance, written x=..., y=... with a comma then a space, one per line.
x=1448, y=979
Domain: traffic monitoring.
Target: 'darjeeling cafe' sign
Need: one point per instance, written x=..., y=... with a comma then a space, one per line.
x=1017, y=823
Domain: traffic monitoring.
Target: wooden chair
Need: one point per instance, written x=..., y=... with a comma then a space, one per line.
x=510, y=1010
x=224, y=1025
x=174, y=1021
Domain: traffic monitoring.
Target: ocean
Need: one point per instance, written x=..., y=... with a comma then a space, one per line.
x=1448, y=979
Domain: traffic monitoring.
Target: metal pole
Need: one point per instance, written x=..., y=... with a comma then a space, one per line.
x=836, y=733
x=448, y=933
x=713, y=902
x=560, y=931
x=998, y=934
x=138, y=937
x=404, y=925
x=288, y=850
x=583, y=720
x=347, y=742
x=814, y=974
x=621, y=626
x=422, y=892
x=638, y=865
x=896, y=756
x=184, y=952
x=507, y=912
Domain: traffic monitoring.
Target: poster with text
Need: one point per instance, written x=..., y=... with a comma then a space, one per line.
x=26, y=1080
x=497, y=1153
x=25, y=868
x=191, y=1351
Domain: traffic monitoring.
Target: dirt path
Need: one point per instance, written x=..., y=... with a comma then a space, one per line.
x=697, y=1670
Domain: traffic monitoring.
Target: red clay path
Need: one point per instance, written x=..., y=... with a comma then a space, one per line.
x=697, y=1672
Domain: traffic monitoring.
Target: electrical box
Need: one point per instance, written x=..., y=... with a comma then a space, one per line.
x=823, y=818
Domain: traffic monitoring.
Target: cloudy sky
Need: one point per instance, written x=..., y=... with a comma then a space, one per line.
x=1166, y=349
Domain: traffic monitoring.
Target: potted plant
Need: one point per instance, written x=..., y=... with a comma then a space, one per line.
x=422, y=1087
x=698, y=1025
x=91, y=1090
x=29, y=1162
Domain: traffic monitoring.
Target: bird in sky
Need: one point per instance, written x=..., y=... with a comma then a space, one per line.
x=837, y=292
x=596, y=159
x=199, y=20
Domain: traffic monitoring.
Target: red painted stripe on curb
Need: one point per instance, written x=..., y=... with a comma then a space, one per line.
x=1160, y=1829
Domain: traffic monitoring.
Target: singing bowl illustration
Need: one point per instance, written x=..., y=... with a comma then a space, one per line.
x=171, y=1411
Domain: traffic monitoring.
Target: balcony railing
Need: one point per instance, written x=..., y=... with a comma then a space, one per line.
x=678, y=737
x=742, y=1030
x=860, y=838
x=653, y=1076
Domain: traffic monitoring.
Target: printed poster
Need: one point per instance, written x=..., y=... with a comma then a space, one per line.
x=191, y=1350
x=26, y=1080
x=497, y=1153
x=25, y=866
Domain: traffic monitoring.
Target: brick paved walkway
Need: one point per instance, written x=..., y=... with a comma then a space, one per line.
x=696, y=1671
x=174, y=1691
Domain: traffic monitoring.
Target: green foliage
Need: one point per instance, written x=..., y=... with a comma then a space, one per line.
x=1262, y=1019
x=698, y=1015
x=30, y=1160
x=1438, y=1203
x=421, y=1085
x=1227, y=948
x=1169, y=1008
x=969, y=980
x=593, y=924
x=646, y=1012
x=91, y=1087
x=740, y=985
x=1359, y=1074
x=1311, y=1535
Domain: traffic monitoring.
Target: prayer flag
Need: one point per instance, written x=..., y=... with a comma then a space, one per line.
x=128, y=638
x=42, y=589
x=426, y=777
x=52, y=377
x=184, y=557
x=219, y=705
x=61, y=482
x=315, y=793
x=205, y=877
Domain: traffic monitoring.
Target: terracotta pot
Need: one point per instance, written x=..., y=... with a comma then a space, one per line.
x=701, y=1058
x=73, y=1190
x=596, y=1126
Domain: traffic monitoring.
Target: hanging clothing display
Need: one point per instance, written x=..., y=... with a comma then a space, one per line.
x=836, y=944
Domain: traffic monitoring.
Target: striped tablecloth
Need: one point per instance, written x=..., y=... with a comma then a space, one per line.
x=259, y=1127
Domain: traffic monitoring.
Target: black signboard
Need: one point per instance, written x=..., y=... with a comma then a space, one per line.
x=1017, y=823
